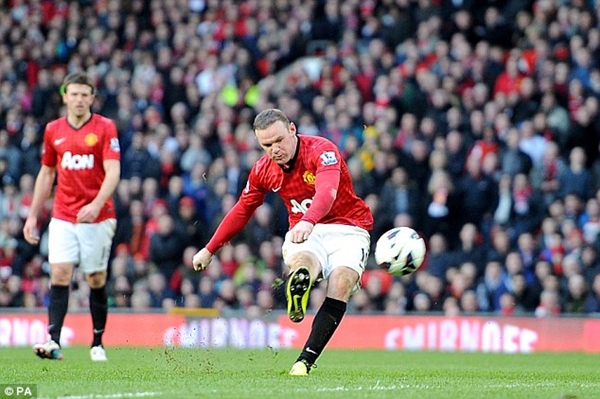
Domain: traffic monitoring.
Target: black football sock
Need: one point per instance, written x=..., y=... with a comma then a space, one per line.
x=57, y=310
x=99, y=310
x=278, y=288
x=324, y=325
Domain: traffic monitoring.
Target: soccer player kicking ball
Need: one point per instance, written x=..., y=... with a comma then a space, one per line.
x=329, y=223
x=82, y=149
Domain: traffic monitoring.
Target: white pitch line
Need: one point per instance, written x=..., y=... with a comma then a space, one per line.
x=394, y=387
x=111, y=395
x=376, y=387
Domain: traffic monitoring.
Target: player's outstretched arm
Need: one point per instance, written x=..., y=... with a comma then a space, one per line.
x=202, y=259
x=233, y=222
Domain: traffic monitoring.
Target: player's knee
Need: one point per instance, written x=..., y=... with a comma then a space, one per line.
x=61, y=274
x=305, y=259
x=341, y=283
x=97, y=279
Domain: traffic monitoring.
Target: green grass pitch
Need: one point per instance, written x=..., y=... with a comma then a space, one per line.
x=227, y=373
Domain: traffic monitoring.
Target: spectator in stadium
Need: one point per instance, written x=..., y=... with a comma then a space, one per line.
x=441, y=204
x=437, y=255
x=12, y=155
x=590, y=262
x=513, y=159
x=526, y=213
x=478, y=194
x=82, y=149
x=174, y=194
x=546, y=177
x=549, y=304
x=207, y=291
x=491, y=287
x=137, y=160
x=166, y=246
x=311, y=177
x=191, y=228
x=398, y=195
x=158, y=289
x=499, y=245
x=576, y=178
x=592, y=302
x=470, y=248
x=468, y=303
x=576, y=294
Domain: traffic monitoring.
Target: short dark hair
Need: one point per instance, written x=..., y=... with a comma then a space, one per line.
x=269, y=116
x=79, y=78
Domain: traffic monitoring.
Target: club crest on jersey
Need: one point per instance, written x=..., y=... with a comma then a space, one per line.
x=328, y=158
x=114, y=145
x=308, y=177
x=91, y=139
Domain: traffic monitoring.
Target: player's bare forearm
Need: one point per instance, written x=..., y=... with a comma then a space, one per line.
x=112, y=170
x=42, y=189
x=89, y=212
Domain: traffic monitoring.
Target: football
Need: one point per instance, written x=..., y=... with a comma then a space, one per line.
x=400, y=250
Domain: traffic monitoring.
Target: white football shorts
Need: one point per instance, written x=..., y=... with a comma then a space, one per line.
x=334, y=245
x=86, y=244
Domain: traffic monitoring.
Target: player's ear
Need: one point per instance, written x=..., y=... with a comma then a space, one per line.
x=292, y=128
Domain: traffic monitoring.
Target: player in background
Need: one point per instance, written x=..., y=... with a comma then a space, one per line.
x=82, y=149
x=329, y=224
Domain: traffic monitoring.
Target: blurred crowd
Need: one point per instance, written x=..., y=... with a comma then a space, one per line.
x=475, y=122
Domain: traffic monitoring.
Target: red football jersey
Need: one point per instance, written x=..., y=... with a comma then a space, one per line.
x=78, y=156
x=297, y=186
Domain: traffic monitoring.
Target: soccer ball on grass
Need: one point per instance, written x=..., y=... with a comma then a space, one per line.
x=400, y=250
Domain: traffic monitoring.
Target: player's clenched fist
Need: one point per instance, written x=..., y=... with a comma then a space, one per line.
x=201, y=260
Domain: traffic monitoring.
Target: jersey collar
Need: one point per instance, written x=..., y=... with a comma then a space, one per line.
x=83, y=124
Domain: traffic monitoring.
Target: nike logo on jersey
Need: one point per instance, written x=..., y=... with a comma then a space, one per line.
x=59, y=141
x=276, y=189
